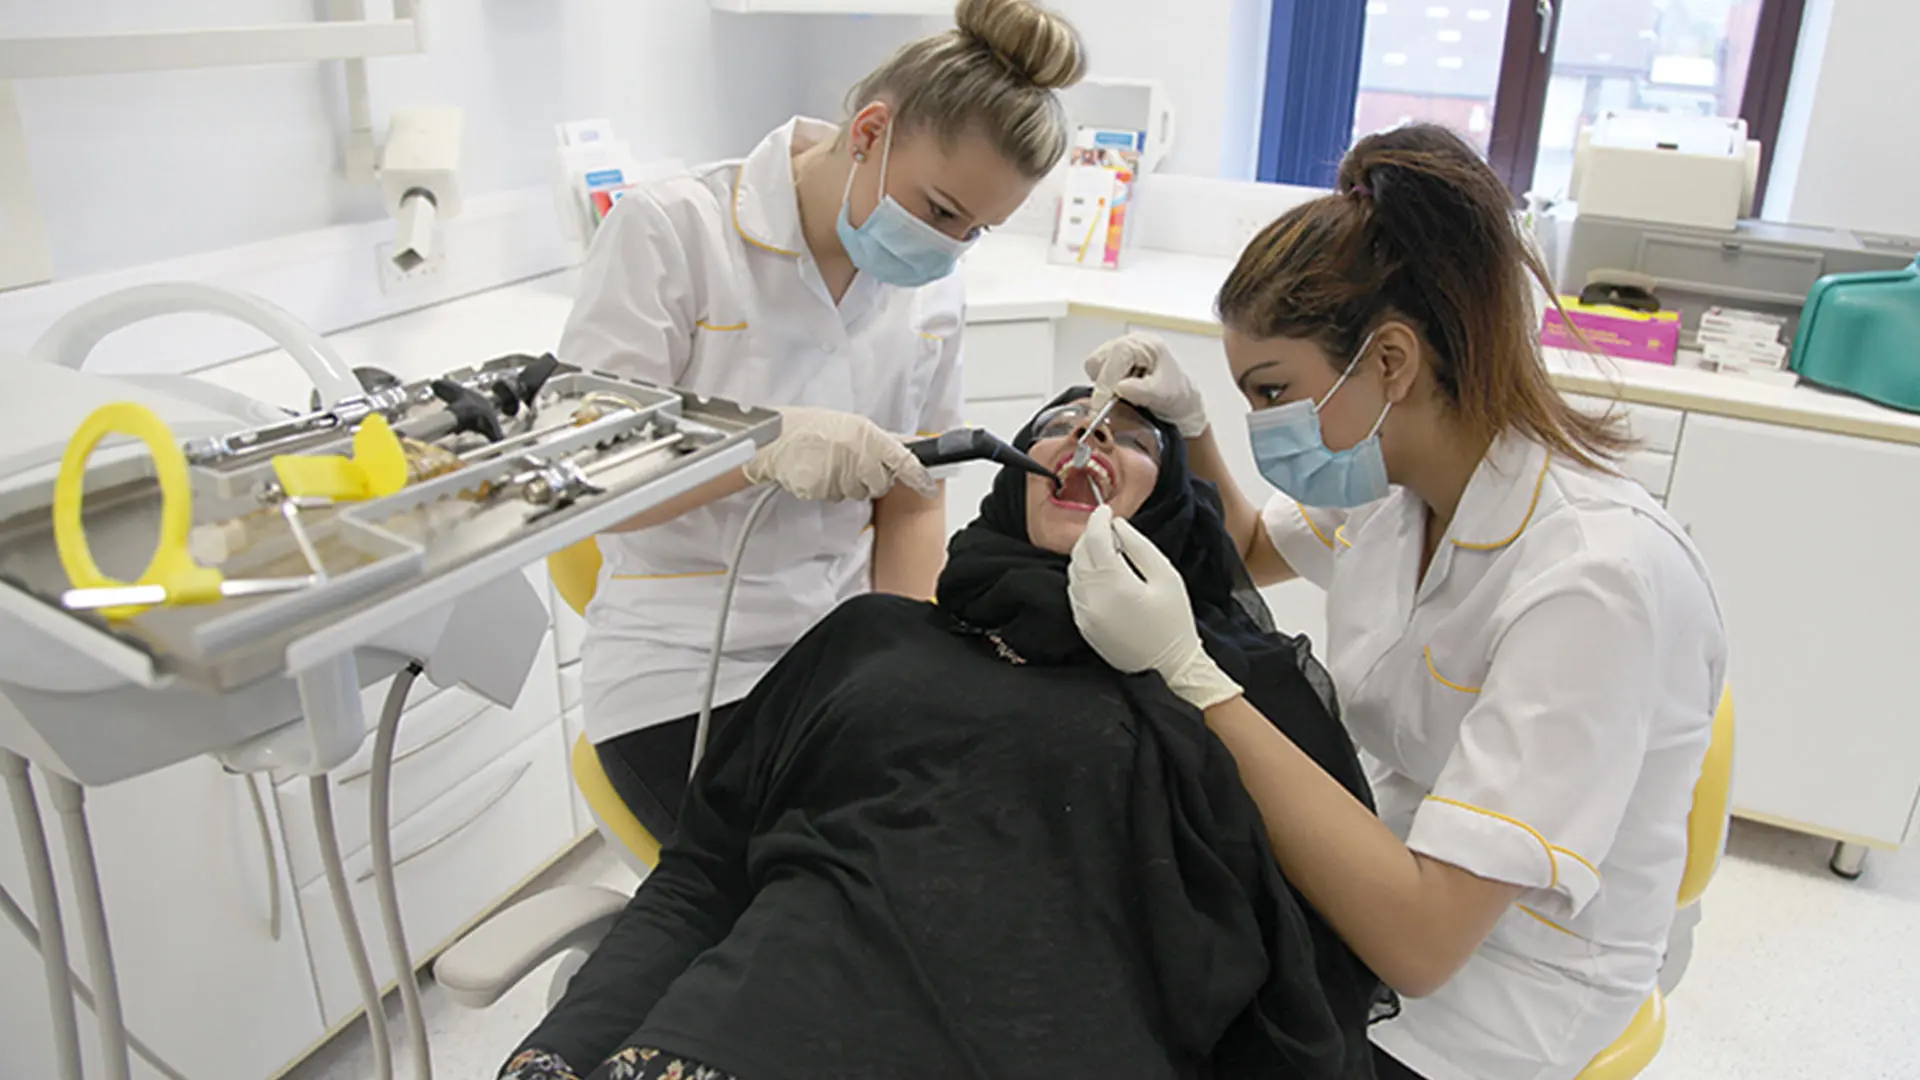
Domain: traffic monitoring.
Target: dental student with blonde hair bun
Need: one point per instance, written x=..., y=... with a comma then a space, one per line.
x=816, y=276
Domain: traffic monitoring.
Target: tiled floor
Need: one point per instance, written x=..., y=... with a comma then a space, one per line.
x=1796, y=974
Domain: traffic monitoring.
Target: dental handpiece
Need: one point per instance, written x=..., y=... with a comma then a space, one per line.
x=975, y=444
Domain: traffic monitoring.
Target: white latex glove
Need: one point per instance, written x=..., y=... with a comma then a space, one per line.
x=1140, y=620
x=827, y=456
x=1141, y=371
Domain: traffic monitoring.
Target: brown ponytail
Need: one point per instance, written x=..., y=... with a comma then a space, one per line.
x=1420, y=229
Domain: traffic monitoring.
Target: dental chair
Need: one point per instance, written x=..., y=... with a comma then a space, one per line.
x=1636, y=1048
x=569, y=920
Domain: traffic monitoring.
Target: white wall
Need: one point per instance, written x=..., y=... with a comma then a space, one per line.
x=841, y=51
x=1847, y=155
x=1189, y=46
x=138, y=168
x=1210, y=54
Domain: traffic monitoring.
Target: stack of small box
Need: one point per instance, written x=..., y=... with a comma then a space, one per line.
x=1745, y=343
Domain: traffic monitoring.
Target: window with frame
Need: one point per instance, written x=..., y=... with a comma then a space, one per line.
x=1518, y=78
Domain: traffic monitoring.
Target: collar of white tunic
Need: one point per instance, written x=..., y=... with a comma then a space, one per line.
x=1501, y=500
x=766, y=206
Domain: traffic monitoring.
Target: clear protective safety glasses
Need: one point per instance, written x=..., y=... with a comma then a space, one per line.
x=1128, y=429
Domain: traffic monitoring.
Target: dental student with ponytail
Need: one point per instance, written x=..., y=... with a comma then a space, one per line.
x=1527, y=649
x=816, y=276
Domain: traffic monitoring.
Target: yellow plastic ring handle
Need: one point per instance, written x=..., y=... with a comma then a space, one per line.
x=172, y=566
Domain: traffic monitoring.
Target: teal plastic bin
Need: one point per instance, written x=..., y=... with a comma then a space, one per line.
x=1860, y=334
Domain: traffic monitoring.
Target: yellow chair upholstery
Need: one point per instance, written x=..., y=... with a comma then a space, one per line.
x=1636, y=1047
x=576, y=576
x=576, y=573
x=1707, y=824
x=607, y=806
x=1634, y=1050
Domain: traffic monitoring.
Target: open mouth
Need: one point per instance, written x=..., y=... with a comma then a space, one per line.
x=1086, y=488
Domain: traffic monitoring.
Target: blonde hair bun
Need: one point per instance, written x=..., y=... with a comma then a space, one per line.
x=1040, y=45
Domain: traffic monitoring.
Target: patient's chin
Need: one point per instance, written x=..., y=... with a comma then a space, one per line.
x=1054, y=528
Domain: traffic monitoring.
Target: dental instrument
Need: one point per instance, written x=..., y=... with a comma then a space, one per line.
x=1083, y=446
x=975, y=444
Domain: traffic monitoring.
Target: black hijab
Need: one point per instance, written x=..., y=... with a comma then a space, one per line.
x=996, y=580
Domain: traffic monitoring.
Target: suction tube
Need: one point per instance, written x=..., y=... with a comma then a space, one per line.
x=975, y=444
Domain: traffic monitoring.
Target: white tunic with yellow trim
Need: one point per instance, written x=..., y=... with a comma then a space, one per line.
x=1534, y=711
x=704, y=282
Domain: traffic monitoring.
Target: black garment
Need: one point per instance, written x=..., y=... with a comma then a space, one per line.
x=1388, y=1067
x=648, y=768
x=949, y=842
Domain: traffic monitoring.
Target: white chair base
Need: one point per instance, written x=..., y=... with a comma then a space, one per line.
x=500, y=952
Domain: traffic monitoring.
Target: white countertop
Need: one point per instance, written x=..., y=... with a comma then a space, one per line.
x=1009, y=279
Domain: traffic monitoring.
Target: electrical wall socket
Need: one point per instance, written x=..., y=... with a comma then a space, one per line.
x=423, y=276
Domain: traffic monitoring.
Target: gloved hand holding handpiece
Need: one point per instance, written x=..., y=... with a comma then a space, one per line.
x=1139, y=369
x=826, y=456
x=1138, y=617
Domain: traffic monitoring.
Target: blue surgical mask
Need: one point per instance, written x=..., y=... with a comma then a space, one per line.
x=895, y=246
x=1293, y=455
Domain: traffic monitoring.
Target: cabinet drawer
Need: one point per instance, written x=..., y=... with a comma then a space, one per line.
x=1008, y=360
x=454, y=859
x=440, y=744
x=1652, y=469
x=1653, y=427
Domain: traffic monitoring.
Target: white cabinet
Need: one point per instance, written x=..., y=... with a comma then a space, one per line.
x=1004, y=360
x=970, y=483
x=573, y=724
x=1009, y=376
x=1657, y=432
x=1204, y=359
x=1810, y=540
x=203, y=978
x=452, y=861
x=440, y=743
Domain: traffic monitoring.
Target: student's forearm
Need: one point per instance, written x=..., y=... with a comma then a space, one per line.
x=909, y=543
x=1412, y=919
x=728, y=483
x=1264, y=562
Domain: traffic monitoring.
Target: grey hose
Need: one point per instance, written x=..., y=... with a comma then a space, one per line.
x=322, y=796
x=272, y=853
x=46, y=905
x=70, y=800
x=720, y=627
x=11, y=911
x=380, y=830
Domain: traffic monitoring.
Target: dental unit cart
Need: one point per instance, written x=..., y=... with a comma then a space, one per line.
x=296, y=562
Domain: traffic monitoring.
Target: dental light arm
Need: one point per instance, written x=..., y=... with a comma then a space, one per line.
x=420, y=179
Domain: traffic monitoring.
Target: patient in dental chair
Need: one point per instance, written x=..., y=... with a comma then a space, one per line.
x=948, y=841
